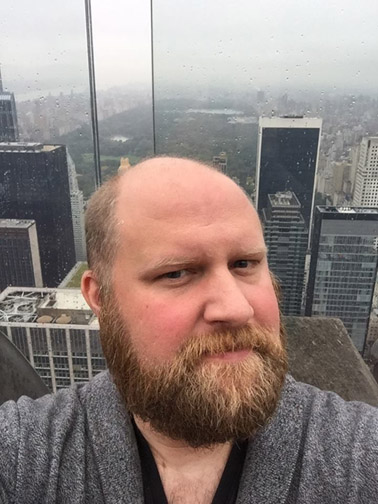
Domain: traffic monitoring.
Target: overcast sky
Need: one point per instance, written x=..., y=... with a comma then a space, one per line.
x=206, y=43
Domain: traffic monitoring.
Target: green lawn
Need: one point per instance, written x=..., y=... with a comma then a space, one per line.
x=133, y=159
x=75, y=280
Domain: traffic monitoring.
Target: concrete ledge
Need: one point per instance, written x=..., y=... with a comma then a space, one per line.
x=322, y=354
x=17, y=376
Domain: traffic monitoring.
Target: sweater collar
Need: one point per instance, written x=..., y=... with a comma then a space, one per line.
x=272, y=455
x=268, y=468
x=113, y=441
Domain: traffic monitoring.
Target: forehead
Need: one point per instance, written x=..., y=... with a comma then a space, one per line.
x=191, y=192
x=185, y=215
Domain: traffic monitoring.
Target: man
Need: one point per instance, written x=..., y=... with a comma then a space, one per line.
x=197, y=407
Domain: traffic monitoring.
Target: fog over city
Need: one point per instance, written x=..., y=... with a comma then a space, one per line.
x=307, y=45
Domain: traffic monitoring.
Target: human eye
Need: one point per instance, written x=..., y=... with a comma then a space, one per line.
x=245, y=264
x=174, y=275
x=242, y=263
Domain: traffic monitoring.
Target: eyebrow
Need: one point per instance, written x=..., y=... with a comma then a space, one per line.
x=178, y=261
x=253, y=251
x=171, y=261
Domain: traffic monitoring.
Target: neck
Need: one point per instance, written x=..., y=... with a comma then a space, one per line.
x=178, y=454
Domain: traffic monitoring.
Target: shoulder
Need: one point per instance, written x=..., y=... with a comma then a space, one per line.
x=328, y=411
x=317, y=448
x=56, y=410
x=38, y=436
x=338, y=442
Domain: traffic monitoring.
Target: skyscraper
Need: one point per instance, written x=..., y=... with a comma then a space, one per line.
x=285, y=234
x=8, y=116
x=343, y=267
x=366, y=185
x=34, y=185
x=287, y=158
x=20, y=263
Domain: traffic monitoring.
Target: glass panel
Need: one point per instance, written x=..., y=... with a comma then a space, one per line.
x=122, y=53
x=44, y=108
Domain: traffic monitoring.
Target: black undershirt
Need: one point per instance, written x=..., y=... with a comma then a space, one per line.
x=226, y=492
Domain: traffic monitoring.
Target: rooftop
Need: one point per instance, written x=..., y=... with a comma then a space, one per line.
x=26, y=147
x=15, y=223
x=65, y=299
x=347, y=210
x=284, y=199
x=73, y=277
x=290, y=122
x=32, y=305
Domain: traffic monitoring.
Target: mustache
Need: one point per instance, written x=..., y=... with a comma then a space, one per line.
x=254, y=338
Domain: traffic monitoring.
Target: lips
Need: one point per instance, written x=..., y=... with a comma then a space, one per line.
x=230, y=356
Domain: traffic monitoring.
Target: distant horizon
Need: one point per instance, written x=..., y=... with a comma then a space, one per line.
x=271, y=92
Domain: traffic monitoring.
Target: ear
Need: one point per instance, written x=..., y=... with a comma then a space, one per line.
x=91, y=291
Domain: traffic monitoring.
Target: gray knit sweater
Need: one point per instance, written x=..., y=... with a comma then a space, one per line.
x=79, y=447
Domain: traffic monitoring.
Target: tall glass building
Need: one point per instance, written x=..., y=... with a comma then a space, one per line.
x=287, y=159
x=285, y=234
x=8, y=115
x=34, y=185
x=343, y=267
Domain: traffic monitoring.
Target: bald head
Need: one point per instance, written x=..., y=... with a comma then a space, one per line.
x=168, y=175
x=165, y=185
x=157, y=188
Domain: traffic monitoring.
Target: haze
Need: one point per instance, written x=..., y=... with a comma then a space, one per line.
x=296, y=44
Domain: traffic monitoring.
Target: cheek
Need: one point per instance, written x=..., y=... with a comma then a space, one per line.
x=266, y=310
x=161, y=328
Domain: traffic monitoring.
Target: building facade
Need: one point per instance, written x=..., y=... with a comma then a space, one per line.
x=343, y=267
x=372, y=336
x=366, y=185
x=34, y=184
x=287, y=159
x=8, y=116
x=56, y=331
x=77, y=210
x=220, y=162
x=286, y=235
x=20, y=263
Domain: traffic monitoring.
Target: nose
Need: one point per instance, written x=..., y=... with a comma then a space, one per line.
x=226, y=302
